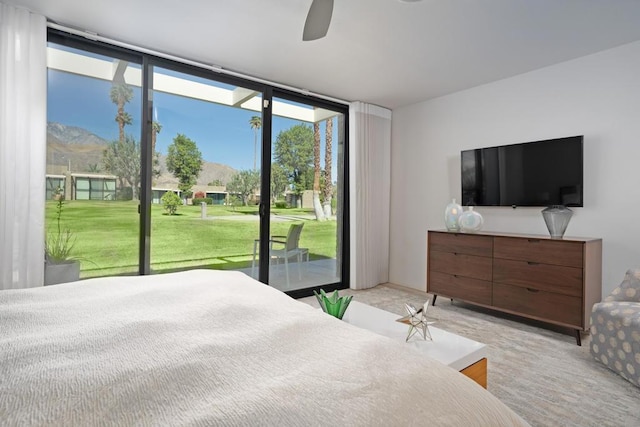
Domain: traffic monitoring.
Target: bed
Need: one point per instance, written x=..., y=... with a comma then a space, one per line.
x=207, y=347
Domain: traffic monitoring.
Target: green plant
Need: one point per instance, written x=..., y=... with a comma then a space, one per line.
x=281, y=204
x=235, y=201
x=171, y=201
x=59, y=244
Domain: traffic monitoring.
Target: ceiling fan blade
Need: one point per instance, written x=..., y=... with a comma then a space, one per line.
x=318, y=20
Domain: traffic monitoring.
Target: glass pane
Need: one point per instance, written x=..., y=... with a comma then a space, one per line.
x=306, y=181
x=217, y=126
x=82, y=184
x=93, y=140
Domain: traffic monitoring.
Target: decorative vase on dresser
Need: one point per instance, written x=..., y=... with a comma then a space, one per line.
x=557, y=219
x=451, y=216
x=538, y=277
x=470, y=221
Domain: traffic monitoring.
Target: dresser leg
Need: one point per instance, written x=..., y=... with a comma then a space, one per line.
x=433, y=301
x=578, y=338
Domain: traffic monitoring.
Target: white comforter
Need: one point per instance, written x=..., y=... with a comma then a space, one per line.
x=213, y=348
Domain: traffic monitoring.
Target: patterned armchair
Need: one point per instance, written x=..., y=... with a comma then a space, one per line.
x=615, y=329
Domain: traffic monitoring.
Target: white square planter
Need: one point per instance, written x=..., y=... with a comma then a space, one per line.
x=55, y=273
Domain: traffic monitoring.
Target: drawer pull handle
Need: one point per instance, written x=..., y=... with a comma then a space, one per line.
x=532, y=263
x=533, y=290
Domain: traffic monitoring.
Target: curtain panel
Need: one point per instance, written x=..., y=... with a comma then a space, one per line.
x=23, y=86
x=370, y=188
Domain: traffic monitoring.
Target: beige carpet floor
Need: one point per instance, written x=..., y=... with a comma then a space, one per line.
x=538, y=372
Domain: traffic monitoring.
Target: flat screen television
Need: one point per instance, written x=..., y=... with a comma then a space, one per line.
x=540, y=173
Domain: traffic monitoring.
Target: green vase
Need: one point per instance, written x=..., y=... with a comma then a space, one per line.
x=333, y=303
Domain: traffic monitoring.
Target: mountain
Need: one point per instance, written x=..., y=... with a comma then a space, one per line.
x=73, y=148
x=73, y=134
x=80, y=151
x=210, y=172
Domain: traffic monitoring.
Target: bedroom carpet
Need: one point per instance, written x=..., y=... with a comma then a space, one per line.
x=539, y=373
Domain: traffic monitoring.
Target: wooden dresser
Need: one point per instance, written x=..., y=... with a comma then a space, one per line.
x=553, y=280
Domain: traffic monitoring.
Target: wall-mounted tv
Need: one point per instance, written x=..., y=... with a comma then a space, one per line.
x=540, y=173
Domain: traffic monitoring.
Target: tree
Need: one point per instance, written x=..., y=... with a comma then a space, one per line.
x=171, y=201
x=256, y=124
x=216, y=183
x=120, y=94
x=317, y=207
x=184, y=161
x=244, y=184
x=122, y=158
x=279, y=181
x=293, y=151
x=155, y=130
x=327, y=190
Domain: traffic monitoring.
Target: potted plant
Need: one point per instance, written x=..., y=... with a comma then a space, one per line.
x=59, y=265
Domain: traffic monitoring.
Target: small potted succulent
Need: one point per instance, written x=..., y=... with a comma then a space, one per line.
x=59, y=265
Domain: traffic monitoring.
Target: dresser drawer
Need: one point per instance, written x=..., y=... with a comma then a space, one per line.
x=544, y=305
x=454, y=286
x=556, y=252
x=544, y=277
x=461, y=243
x=461, y=265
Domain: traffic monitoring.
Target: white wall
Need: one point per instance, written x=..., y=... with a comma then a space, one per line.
x=597, y=96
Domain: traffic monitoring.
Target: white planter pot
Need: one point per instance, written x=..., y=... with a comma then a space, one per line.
x=55, y=273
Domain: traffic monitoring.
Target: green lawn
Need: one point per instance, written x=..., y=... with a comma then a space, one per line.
x=107, y=236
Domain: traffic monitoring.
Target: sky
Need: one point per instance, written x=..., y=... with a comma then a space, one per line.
x=222, y=134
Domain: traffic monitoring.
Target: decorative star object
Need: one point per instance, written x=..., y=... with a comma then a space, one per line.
x=417, y=321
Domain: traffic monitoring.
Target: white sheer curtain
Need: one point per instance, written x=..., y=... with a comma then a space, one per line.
x=23, y=91
x=370, y=187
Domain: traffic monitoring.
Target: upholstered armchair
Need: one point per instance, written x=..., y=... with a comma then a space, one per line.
x=615, y=329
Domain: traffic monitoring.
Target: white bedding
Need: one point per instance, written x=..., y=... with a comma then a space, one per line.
x=213, y=348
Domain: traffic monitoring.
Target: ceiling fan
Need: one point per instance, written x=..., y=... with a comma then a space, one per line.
x=319, y=18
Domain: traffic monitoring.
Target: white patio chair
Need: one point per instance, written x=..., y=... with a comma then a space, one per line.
x=287, y=247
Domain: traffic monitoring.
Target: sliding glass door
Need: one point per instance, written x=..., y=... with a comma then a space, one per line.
x=155, y=166
x=93, y=160
x=307, y=196
x=206, y=145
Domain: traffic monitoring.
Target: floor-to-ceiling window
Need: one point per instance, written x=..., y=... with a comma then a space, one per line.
x=207, y=148
x=93, y=159
x=307, y=190
x=204, y=171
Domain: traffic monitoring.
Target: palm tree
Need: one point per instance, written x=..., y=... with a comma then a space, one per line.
x=317, y=207
x=328, y=184
x=256, y=124
x=120, y=94
x=155, y=130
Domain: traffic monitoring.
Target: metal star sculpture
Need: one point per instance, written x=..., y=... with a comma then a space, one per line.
x=417, y=321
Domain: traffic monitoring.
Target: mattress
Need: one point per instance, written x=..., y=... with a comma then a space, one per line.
x=207, y=347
